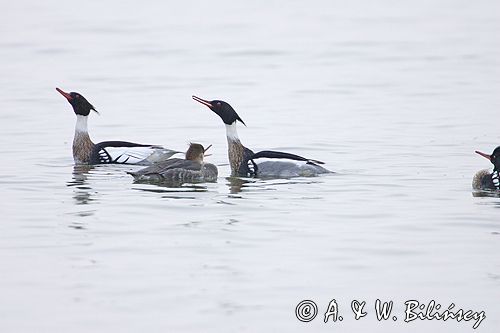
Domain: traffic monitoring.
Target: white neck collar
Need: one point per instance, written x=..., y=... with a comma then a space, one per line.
x=231, y=132
x=81, y=123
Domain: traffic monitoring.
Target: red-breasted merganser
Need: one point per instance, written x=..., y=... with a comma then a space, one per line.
x=242, y=159
x=119, y=152
x=484, y=179
x=192, y=169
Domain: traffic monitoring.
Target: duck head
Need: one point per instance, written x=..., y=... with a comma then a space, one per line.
x=80, y=105
x=494, y=158
x=196, y=152
x=222, y=109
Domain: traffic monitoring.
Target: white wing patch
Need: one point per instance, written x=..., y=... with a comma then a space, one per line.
x=129, y=155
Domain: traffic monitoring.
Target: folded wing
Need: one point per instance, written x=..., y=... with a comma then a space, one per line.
x=163, y=167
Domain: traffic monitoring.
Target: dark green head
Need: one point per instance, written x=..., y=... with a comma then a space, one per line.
x=80, y=105
x=222, y=109
x=494, y=158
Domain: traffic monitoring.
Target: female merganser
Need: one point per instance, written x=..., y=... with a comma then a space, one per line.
x=192, y=169
x=242, y=159
x=120, y=152
x=485, y=180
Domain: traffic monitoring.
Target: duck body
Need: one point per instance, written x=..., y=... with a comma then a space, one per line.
x=483, y=180
x=272, y=169
x=243, y=163
x=243, y=160
x=108, y=152
x=192, y=169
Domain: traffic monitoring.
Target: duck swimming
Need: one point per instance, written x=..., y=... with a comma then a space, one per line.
x=192, y=169
x=242, y=159
x=484, y=179
x=119, y=152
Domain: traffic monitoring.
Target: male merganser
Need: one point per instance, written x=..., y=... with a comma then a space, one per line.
x=485, y=180
x=120, y=152
x=242, y=159
x=192, y=169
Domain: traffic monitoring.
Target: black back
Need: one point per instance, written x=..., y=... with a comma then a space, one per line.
x=101, y=156
x=279, y=154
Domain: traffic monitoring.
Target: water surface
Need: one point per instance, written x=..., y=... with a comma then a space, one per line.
x=393, y=96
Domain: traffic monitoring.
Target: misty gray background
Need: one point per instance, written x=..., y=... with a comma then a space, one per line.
x=394, y=96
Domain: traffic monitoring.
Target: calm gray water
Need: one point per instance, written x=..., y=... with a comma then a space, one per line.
x=393, y=96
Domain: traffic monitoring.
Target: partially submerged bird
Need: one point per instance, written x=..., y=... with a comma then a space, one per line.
x=242, y=159
x=120, y=152
x=192, y=169
x=484, y=179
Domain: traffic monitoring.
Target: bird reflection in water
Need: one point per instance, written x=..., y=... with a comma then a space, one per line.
x=81, y=189
x=171, y=189
x=486, y=193
x=236, y=184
